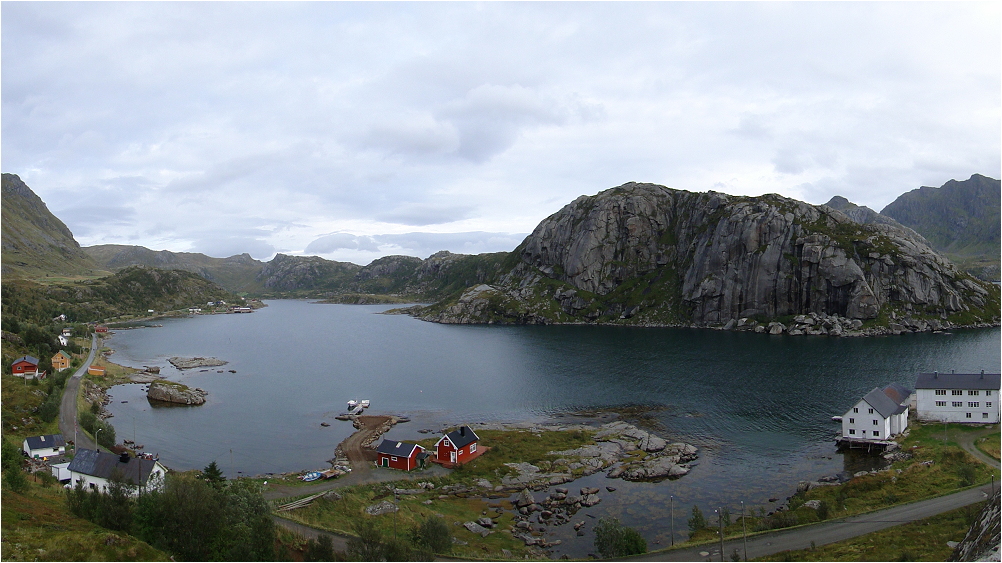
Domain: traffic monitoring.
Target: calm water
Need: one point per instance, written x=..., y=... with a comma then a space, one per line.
x=757, y=406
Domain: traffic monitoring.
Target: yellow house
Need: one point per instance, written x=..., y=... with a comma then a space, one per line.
x=95, y=370
x=61, y=360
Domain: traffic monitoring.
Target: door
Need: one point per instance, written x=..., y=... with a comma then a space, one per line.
x=386, y=462
x=452, y=456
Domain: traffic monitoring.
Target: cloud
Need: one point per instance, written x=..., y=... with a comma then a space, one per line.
x=363, y=249
x=328, y=244
x=421, y=214
x=226, y=246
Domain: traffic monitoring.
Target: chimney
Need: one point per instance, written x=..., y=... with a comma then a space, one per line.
x=462, y=431
x=982, y=377
x=124, y=458
x=935, y=375
x=43, y=437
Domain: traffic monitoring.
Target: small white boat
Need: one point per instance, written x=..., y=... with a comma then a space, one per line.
x=364, y=403
x=836, y=419
x=352, y=404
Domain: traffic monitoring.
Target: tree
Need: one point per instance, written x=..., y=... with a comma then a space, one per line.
x=725, y=517
x=612, y=539
x=368, y=545
x=320, y=549
x=114, y=509
x=696, y=522
x=213, y=475
x=183, y=519
x=434, y=534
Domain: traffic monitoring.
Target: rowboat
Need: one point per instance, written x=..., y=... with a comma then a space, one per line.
x=311, y=476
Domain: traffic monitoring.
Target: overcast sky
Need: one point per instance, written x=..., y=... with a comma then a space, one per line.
x=358, y=130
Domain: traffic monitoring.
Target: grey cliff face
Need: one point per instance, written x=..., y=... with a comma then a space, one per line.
x=733, y=257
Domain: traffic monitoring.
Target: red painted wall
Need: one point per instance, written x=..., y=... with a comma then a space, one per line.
x=23, y=366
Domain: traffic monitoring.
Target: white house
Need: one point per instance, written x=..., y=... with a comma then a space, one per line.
x=958, y=397
x=880, y=415
x=63, y=341
x=60, y=471
x=94, y=469
x=44, y=446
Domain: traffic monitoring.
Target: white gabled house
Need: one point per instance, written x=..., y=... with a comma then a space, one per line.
x=49, y=445
x=94, y=469
x=958, y=397
x=880, y=415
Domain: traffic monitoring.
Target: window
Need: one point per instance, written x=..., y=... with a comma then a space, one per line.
x=940, y=403
x=968, y=415
x=941, y=391
x=988, y=404
x=852, y=431
x=393, y=458
x=988, y=393
x=473, y=448
x=855, y=409
x=874, y=422
x=876, y=434
x=852, y=421
x=973, y=405
x=871, y=411
x=984, y=415
x=958, y=404
x=956, y=392
x=973, y=392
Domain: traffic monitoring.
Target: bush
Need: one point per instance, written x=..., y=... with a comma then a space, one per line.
x=434, y=534
x=612, y=539
x=823, y=510
x=697, y=522
x=368, y=545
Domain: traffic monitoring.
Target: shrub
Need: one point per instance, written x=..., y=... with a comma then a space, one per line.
x=612, y=539
x=697, y=522
x=434, y=534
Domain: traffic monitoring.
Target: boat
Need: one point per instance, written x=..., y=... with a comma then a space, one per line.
x=311, y=476
x=364, y=403
x=836, y=419
x=352, y=404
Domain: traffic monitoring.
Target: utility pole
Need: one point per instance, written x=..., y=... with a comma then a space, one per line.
x=96, y=445
x=744, y=531
x=672, y=512
x=720, y=526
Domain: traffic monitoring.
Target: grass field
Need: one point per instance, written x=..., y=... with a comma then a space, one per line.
x=923, y=540
x=989, y=445
x=37, y=526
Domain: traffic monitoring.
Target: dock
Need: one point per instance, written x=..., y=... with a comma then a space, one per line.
x=859, y=444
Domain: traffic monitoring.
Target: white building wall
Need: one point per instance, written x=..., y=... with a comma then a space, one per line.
x=155, y=480
x=986, y=411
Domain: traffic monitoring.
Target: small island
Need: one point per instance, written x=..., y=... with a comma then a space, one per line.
x=176, y=393
x=196, y=362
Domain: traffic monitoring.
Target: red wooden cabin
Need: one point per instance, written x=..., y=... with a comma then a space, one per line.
x=25, y=366
x=399, y=455
x=458, y=446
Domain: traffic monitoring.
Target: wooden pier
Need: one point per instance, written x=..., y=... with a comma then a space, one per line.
x=859, y=444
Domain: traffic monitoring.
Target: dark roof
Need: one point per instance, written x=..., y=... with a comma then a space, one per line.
x=882, y=403
x=957, y=381
x=47, y=441
x=101, y=464
x=29, y=359
x=393, y=447
x=897, y=393
x=463, y=436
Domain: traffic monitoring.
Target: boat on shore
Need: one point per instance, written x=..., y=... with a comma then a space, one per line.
x=311, y=476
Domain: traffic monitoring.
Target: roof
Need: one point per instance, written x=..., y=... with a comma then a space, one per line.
x=47, y=441
x=882, y=403
x=63, y=353
x=393, y=447
x=462, y=436
x=101, y=464
x=29, y=359
x=957, y=381
x=897, y=393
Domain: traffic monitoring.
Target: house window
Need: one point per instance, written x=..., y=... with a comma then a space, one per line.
x=988, y=404
x=874, y=422
x=958, y=404
x=852, y=421
x=460, y=452
x=968, y=415
x=973, y=405
x=876, y=434
x=956, y=392
x=940, y=403
x=941, y=391
x=393, y=458
x=473, y=448
x=988, y=393
x=855, y=409
x=871, y=411
x=973, y=392
x=984, y=415
x=852, y=430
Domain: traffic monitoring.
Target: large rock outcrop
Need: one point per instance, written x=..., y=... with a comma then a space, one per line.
x=177, y=393
x=647, y=254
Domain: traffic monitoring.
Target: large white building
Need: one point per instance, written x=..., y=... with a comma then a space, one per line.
x=879, y=415
x=958, y=397
x=94, y=469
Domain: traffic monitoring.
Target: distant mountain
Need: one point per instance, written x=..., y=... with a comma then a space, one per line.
x=35, y=243
x=860, y=213
x=960, y=219
x=237, y=273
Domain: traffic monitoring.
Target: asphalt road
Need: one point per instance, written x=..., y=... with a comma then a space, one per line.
x=824, y=533
x=68, y=407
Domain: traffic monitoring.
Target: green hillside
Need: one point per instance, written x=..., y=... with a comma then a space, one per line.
x=35, y=243
x=236, y=273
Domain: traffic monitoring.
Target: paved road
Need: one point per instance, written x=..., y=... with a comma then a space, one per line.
x=966, y=441
x=68, y=407
x=827, y=532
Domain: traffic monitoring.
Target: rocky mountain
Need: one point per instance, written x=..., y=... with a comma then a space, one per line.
x=650, y=255
x=237, y=273
x=862, y=214
x=960, y=219
x=35, y=243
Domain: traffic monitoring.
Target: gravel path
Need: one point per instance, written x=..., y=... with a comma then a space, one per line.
x=967, y=442
x=68, y=406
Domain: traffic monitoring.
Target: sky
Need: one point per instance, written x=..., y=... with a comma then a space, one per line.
x=358, y=130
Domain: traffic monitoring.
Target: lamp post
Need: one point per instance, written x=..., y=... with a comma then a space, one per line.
x=97, y=446
x=720, y=527
x=744, y=531
x=672, y=513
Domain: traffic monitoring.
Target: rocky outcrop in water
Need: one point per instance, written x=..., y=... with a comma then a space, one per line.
x=649, y=255
x=177, y=393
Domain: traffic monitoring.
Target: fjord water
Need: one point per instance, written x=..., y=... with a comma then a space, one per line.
x=757, y=406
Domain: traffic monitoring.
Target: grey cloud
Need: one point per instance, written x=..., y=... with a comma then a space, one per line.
x=338, y=241
x=421, y=214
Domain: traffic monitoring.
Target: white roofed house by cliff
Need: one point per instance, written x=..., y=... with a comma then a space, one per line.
x=958, y=397
x=94, y=470
x=879, y=416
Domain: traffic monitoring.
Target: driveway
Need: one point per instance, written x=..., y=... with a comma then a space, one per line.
x=68, y=407
x=966, y=441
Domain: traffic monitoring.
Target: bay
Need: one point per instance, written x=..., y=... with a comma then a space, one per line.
x=757, y=406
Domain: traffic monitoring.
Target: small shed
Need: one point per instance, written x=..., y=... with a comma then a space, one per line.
x=44, y=446
x=399, y=455
x=96, y=370
x=25, y=366
x=61, y=360
x=458, y=446
x=101, y=329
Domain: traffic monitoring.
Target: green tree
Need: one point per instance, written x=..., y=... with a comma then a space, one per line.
x=183, y=519
x=612, y=539
x=115, y=507
x=213, y=475
x=368, y=543
x=696, y=522
x=725, y=516
x=320, y=549
x=434, y=534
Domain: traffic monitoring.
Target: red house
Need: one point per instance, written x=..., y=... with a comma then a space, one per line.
x=25, y=366
x=457, y=447
x=400, y=455
x=101, y=329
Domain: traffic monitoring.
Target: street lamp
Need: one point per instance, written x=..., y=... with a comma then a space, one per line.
x=97, y=446
x=744, y=531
